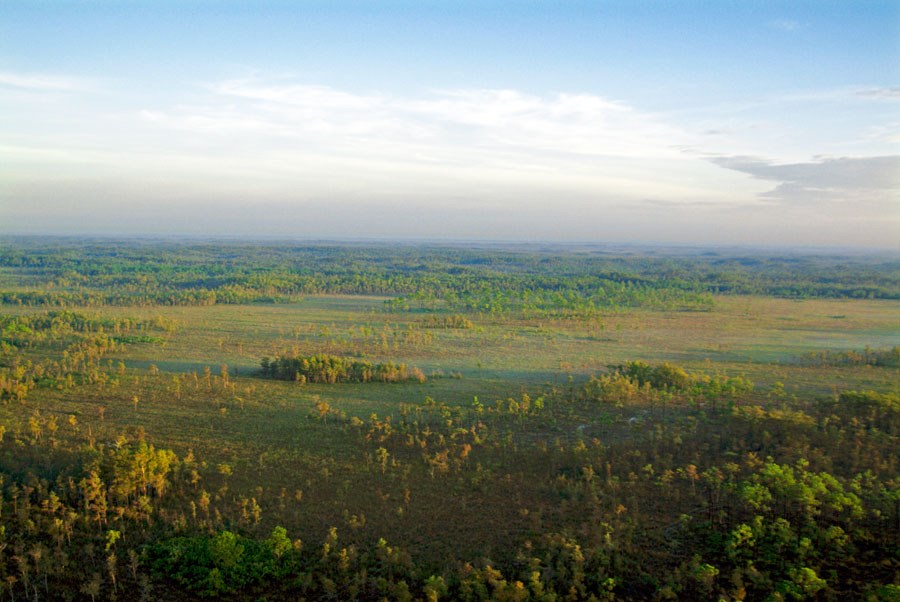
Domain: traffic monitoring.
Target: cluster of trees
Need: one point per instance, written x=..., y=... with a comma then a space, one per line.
x=638, y=381
x=22, y=331
x=867, y=357
x=331, y=369
x=120, y=297
x=58, y=349
x=454, y=321
x=690, y=513
x=75, y=521
x=547, y=299
x=363, y=339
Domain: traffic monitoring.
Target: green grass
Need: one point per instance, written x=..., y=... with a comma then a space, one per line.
x=761, y=338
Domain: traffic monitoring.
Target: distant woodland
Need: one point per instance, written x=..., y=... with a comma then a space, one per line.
x=187, y=420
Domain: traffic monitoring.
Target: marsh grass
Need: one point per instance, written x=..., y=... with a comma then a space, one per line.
x=310, y=471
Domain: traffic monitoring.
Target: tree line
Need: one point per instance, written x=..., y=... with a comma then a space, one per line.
x=73, y=272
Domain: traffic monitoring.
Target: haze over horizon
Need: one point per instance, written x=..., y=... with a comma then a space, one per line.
x=738, y=123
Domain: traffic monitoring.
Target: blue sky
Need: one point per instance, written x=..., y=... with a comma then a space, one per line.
x=686, y=122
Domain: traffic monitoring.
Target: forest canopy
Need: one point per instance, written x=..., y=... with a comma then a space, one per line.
x=493, y=279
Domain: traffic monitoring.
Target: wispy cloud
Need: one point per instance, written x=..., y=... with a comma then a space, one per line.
x=41, y=82
x=788, y=25
x=792, y=125
x=888, y=132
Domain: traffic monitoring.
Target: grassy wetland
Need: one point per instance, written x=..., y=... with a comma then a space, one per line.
x=186, y=420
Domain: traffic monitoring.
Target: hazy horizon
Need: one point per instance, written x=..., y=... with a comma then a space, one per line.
x=736, y=124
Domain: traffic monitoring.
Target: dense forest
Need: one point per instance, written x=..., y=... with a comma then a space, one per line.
x=274, y=421
x=488, y=279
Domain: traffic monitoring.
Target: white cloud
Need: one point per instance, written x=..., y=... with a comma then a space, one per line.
x=300, y=95
x=441, y=126
x=493, y=144
x=41, y=82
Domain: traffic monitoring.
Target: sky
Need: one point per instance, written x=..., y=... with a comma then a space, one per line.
x=731, y=122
